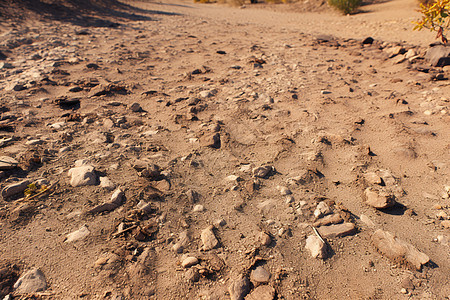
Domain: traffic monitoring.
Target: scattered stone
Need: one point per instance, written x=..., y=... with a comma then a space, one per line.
x=211, y=140
x=284, y=191
x=77, y=235
x=338, y=230
x=183, y=241
x=116, y=200
x=445, y=224
x=260, y=275
x=372, y=178
x=209, y=239
x=262, y=292
x=263, y=172
x=136, y=107
x=192, y=275
x=198, y=208
x=32, y=281
x=107, y=184
x=264, y=239
x=239, y=288
x=368, y=41
x=327, y=220
x=322, y=209
x=81, y=176
x=378, y=198
x=438, y=56
x=407, y=283
x=220, y=223
x=7, y=163
x=189, y=262
x=316, y=246
x=366, y=220
x=15, y=188
x=398, y=250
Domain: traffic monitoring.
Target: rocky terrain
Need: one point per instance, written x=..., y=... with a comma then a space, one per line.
x=175, y=150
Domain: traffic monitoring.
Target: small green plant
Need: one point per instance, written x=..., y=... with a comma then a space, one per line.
x=345, y=6
x=435, y=17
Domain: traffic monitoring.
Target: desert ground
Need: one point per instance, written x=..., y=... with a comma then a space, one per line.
x=177, y=150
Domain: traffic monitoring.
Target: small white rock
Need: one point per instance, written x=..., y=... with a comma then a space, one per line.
x=77, y=235
x=198, y=208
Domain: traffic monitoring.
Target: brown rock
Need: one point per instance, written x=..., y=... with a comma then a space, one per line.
x=209, y=239
x=372, y=178
x=379, y=198
x=260, y=275
x=239, y=288
x=264, y=239
x=398, y=250
x=262, y=292
x=446, y=223
x=327, y=220
x=210, y=140
x=339, y=230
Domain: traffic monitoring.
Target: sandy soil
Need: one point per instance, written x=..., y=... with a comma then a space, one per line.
x=260, y=121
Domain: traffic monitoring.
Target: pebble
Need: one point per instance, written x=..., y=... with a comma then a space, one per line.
x=260, y=275
x=198, y=208
x=209, y=239
x=117, y=199
x=322, y=209
x=220, y=223
x=135, y=107
x=32, y=281
x=210, y=140
x=192, y=275
x=284, y=191
x=81, y=176
x=264, y=239
x=317, y=248
x=398, y=250
x=189, y=262
x=372, y=178
x=107, y=184
x=445, y=224
x=77, y=235
x=379, y=198
x=263, y=171
x=262, y=292
x=239, y=288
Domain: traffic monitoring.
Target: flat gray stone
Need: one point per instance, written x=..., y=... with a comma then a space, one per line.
x=32, y=281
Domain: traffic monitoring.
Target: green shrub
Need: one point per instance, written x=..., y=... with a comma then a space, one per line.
x=345, y=6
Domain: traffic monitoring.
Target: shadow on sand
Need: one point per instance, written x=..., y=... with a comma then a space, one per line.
x=86, y=13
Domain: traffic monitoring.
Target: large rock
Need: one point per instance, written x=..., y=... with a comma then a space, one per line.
x=209, y=239
x=15, y=188
x=32, y=281
x=316, y=246
x=84, y=175
x=239, y=288
x=7, y=163
x=338, y=230
x=262, y=292
x=438, y=56
x=379, y=198
x=398, y=250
